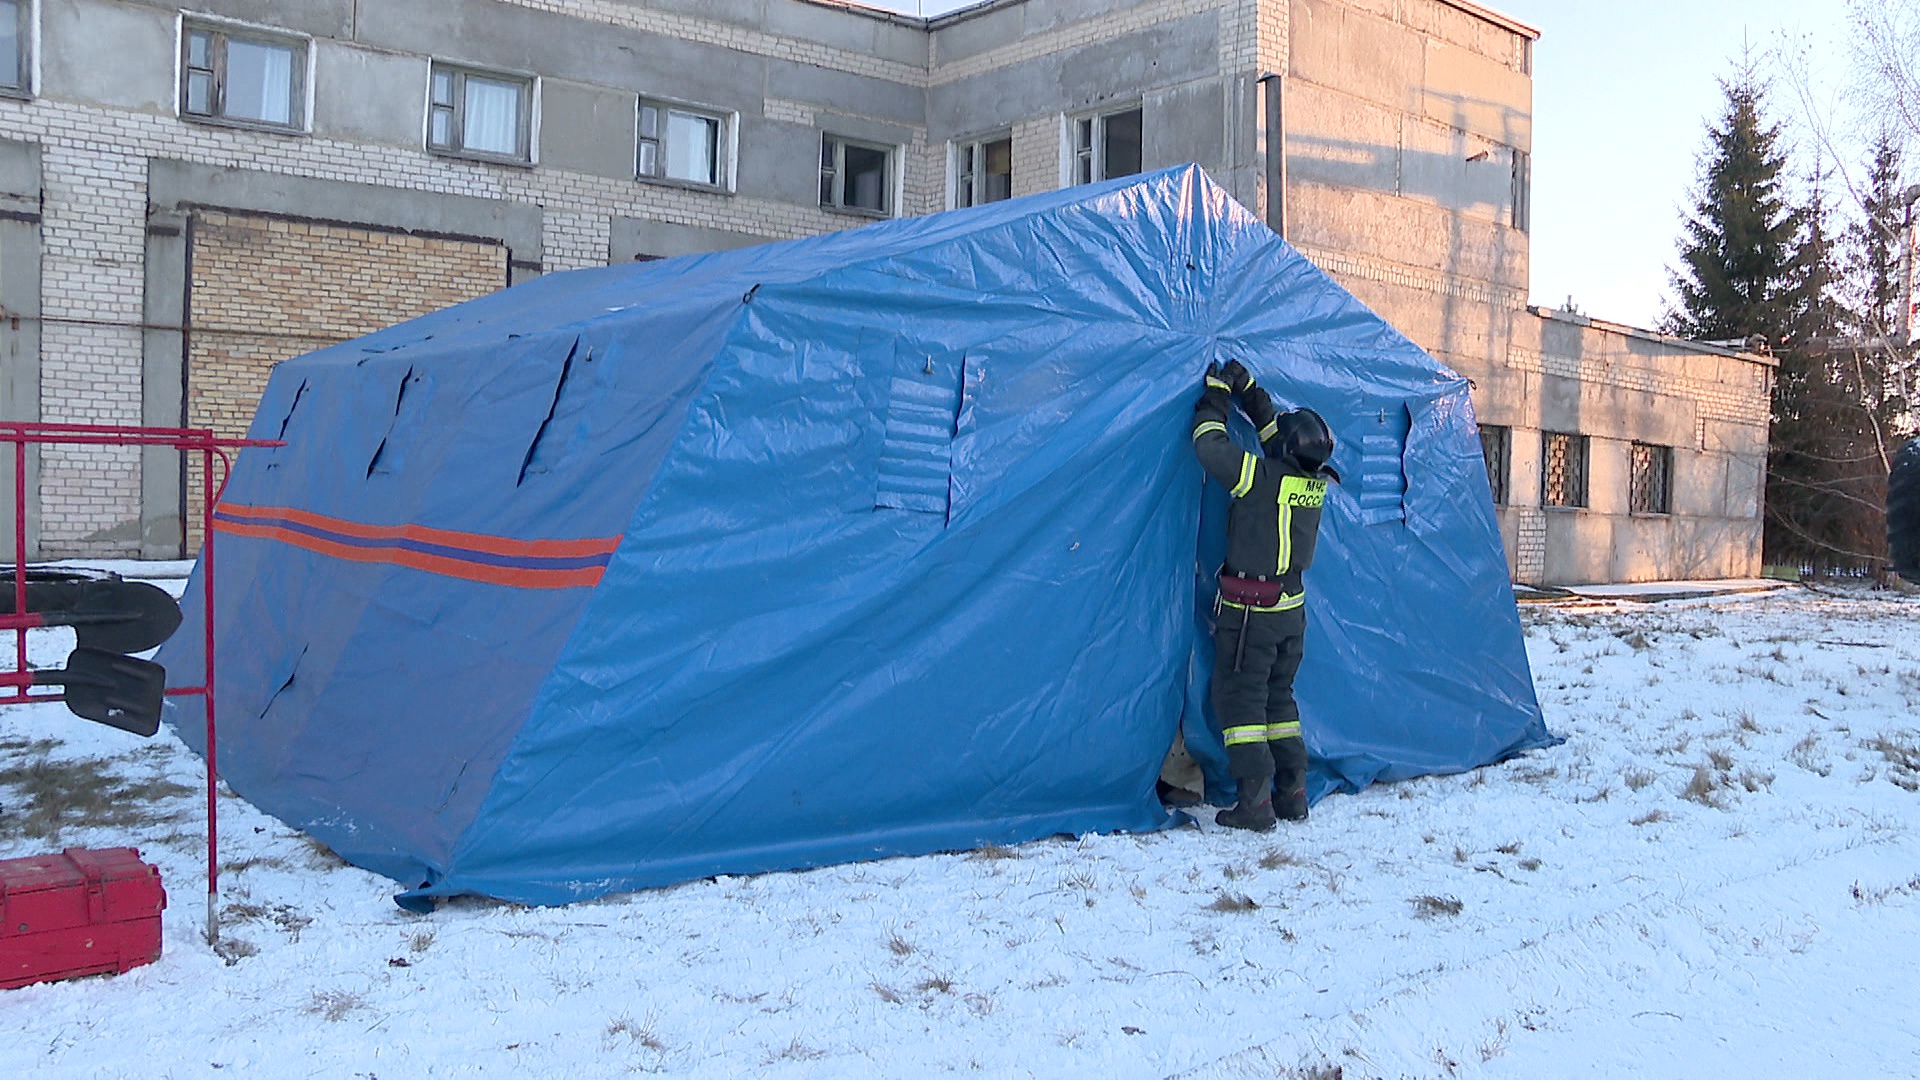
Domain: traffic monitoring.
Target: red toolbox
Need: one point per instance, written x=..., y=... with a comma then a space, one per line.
x=81, y=912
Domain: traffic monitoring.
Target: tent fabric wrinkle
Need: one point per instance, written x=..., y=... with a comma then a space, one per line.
x=884, y=542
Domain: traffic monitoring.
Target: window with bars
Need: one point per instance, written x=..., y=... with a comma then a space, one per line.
x=242, y=76
x=983, y=171
x=856, y=176
x=1651, y=486
x=680, y=143
x=1107, y=144
x=480, y=114
x=1496, y=446
x=1563, y=470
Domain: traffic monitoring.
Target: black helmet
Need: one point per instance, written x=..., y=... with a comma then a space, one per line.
x=1304, y=436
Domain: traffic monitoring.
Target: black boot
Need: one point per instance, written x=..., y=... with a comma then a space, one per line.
x=1290, y=801
x=1254, y=811
x=1289, y=779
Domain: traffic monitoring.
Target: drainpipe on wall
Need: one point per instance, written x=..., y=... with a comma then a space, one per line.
x=1276, y=126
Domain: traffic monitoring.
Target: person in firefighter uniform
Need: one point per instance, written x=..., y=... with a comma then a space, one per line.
x=1261, y=611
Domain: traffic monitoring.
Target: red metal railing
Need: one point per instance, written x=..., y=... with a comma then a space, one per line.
x=14, y=684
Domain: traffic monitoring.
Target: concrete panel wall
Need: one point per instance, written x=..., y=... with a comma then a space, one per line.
x=76, y=36
x=20, y=328
x=587, y=129
x=356, y=90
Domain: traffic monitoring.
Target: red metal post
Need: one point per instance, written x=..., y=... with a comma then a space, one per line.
x=212, y=448
x=207, y=497
x=20, y=561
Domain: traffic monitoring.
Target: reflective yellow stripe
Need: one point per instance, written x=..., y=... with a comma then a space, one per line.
x=1209, y=425
x=1219, y=384
x=1295, y=491
x=1253, y=733
x=1284, y=558
x=1288, y=730
x=1246, y=476
x=1267, y=432
x=1285, y=603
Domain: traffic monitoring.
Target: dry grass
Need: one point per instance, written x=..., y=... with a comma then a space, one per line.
x=1705, y=787
x=1233, y=902
x=1276, y=857
x=334, y=1005
x=1650, y=817
x=935, y=984
x=641, y=1034
x=41, y=797
x=1901, y=749
x=1638, y=779
x=994, y=853
x=1434, y=907
x=898, y=945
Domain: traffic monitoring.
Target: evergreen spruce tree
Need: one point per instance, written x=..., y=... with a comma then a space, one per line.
x=1880, y=267
x=1736, y=258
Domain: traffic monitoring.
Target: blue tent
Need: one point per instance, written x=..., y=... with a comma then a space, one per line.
x=883, y=542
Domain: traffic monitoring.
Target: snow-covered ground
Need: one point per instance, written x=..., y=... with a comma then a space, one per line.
x=1718, y=874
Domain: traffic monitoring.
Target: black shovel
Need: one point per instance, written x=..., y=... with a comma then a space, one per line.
x=115, y=690
x=106, y=613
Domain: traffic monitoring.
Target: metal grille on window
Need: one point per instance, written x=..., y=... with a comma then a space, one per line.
x=1083, y=150
x=1652, y=481
x=1563, y=470
x=1495, y=446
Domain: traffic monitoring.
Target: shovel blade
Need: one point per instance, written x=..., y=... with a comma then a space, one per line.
x=111, y=689
x=114, y=616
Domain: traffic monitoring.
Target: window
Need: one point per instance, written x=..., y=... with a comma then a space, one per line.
x=856, y=175
x=983, y=172
x=243, y=76
x=1651, y=487
x=1522, y=190
x=1496, y=446
x=678, y=143
x=1563, y=470
x=15, y=32
x=479, y=114
x=1106, y=145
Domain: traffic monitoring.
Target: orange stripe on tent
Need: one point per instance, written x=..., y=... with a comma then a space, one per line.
x=433, y=564
x=492, y=545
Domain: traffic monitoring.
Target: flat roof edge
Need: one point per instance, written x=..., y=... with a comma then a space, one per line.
x=1480, y=11
x=1652, y=335
x=1507, y=22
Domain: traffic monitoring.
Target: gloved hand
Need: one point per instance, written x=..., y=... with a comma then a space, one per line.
x=1216, y=378
x=1238, y=379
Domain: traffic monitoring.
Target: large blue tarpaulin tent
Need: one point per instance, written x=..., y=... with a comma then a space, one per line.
x=883, y=542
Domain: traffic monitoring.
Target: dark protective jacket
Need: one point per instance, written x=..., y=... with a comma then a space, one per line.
x=1903, y=512
x=1275, y=520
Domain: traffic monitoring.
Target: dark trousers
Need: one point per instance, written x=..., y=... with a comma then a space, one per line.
x=1255, y=703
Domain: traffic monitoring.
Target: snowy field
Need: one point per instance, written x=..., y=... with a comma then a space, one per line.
x=1718, y=874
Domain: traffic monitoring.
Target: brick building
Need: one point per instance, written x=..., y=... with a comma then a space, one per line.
x=187, y=196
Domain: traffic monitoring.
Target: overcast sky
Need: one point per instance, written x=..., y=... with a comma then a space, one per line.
x=1622, y=93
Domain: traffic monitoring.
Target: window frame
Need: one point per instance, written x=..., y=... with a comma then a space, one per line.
x=27, y=18
x=1522, y=192
x=726, y=143
x=1580, y=451
x=221, y=34
x=836, y=175
x=965, y=183
x=1642, y=477
x=525, y=137
x=1499, y=461
x=1094, y=155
